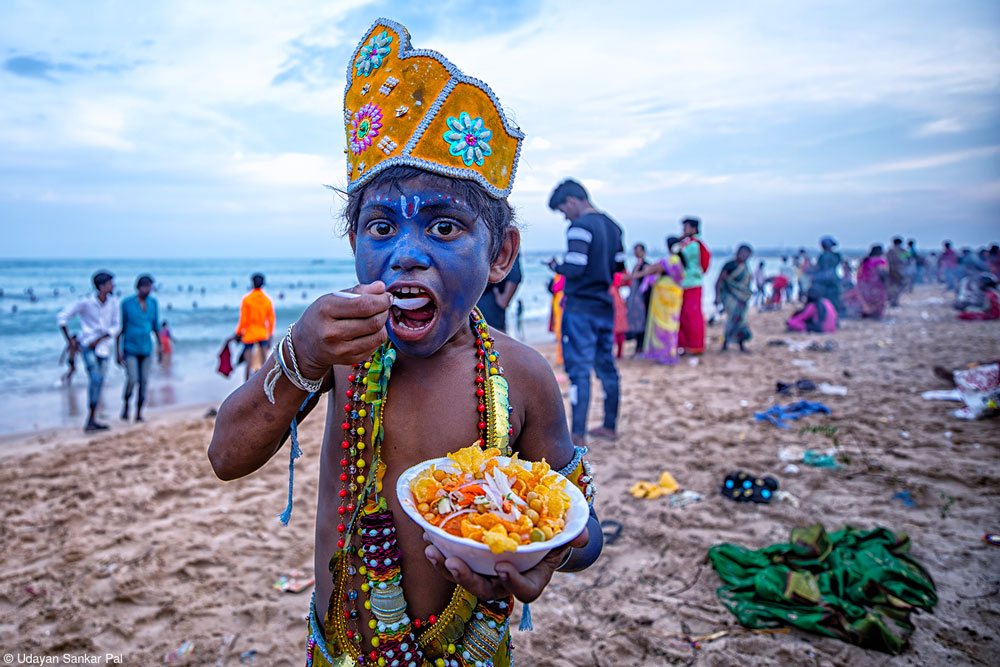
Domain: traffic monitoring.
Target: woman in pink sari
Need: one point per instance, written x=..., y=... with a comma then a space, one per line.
x=663, y=321
x=870, y=297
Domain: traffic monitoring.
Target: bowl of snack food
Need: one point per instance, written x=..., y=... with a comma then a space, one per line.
x=485, y=508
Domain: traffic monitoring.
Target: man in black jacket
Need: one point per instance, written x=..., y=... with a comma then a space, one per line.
x=594, y=254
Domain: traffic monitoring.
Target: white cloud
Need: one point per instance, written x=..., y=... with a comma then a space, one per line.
x=657, y=105
x=287, y=169
x=942, y=126
x=929, y=161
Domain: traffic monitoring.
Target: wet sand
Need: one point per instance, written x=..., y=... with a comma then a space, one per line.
x=126, y=543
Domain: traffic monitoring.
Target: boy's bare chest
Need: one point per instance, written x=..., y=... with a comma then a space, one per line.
x=426, y=414
x=429, y=419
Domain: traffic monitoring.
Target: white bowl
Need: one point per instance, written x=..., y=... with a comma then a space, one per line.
x=476, y=554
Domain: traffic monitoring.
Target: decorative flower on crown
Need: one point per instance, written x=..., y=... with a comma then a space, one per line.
x=468, y=138
x=371, y=54
x=364, y=128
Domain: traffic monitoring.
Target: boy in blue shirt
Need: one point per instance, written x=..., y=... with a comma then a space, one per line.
x=140, y=318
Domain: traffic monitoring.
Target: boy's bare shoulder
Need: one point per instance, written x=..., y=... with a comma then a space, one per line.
x=528, y=374
x=521, y=361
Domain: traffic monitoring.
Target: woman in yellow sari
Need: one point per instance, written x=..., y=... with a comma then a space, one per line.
x=663, y=320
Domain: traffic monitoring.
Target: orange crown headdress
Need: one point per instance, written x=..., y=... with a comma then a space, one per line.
x=405, y=106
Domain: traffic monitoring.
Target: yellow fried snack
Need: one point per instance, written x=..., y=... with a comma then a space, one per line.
x=498, y=541
x=468, y=459
x=498, y=503
x=426, y=489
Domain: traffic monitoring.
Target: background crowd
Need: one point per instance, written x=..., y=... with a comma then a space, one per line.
x=663, y=311
x=598, y=304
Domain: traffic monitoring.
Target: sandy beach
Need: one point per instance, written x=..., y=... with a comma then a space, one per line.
x=126, y=543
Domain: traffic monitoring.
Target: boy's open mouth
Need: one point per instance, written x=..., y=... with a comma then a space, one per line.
x=413, y=312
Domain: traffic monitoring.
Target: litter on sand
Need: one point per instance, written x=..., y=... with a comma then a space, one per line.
x=979, y=388
x=832, y=389
x=942, y=395
x=862, y=587
x=827, y=459
x=802, y=386
x=685, y=498
x=778, y=414
x=810, y=457
x=786, y=497
x=664, y=487
x=905, y=498
x=178, y=654
x=293, y=582
x=808, y=345
x=744, y=487
x=789, y=455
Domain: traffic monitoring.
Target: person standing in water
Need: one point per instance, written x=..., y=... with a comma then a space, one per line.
x=99, y=322
x=166, y=345
x=256, y=325
x=140, y=318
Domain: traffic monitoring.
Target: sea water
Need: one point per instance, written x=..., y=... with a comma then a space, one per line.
x=199, y=299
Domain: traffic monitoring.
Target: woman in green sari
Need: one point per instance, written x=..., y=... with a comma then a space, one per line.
x=733, y=291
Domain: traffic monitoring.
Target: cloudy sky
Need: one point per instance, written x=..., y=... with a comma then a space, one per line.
x=191, y=128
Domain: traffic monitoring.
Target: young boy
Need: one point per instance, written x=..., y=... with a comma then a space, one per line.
x=429, y=224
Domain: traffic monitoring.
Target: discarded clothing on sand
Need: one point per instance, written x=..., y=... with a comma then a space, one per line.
x=817, y=459
x=778, y=414
x=664, y=487
x=980, y=389
x=858, y=586
x=786, y=388
x=905, y=498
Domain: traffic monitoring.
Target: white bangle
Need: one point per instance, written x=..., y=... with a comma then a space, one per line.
x=299, y=381
x=569, y=554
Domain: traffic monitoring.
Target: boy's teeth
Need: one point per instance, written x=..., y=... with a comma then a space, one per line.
x=410, y=302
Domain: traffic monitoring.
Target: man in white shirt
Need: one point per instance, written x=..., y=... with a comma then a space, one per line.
x=99, y=321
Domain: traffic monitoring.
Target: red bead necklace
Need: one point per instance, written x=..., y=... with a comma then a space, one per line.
x=356, y=484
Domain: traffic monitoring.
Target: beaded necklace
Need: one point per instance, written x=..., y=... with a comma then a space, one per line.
x=468, y=631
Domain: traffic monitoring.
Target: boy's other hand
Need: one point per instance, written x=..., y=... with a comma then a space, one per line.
x=525, y=586
x=336, y=330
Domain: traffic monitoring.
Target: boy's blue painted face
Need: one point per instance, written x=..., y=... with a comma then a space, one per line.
x=424, y=242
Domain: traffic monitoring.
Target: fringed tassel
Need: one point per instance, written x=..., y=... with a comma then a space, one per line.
x=525, y=618
x=293, y=454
